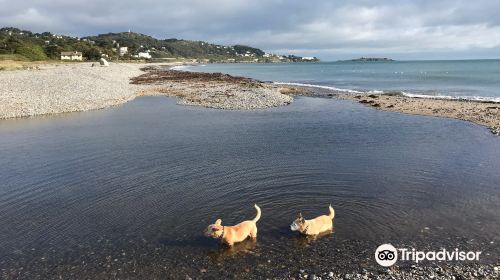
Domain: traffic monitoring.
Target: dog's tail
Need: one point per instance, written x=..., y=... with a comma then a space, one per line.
x=332, y=212
x=258, y=213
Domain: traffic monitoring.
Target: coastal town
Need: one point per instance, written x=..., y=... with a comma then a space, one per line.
x=20, y=45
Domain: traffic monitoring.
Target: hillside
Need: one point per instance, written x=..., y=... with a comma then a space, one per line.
x=23, y=44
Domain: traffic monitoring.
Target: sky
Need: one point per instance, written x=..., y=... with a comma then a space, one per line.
x=328, y=29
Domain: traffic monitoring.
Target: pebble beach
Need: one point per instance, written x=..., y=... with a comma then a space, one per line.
x=60, y=88
x=148, y=252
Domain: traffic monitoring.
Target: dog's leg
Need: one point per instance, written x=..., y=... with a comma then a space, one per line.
x=253, y=232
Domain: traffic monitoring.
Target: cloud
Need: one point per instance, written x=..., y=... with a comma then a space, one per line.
x=330, y=29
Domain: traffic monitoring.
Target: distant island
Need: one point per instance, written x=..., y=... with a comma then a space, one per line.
x=17, y=44
x=369, y=59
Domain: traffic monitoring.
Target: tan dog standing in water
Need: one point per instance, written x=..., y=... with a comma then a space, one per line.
x=233, y=234
x=315, y=226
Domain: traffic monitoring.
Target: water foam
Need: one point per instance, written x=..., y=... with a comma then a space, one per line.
x=408, y=94
x=319, y=86
x=450, y=97
x=180, y=68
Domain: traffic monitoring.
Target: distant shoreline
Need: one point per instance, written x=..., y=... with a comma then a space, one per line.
x=60, y=88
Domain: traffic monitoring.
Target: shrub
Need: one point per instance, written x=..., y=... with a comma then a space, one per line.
x=31, y=52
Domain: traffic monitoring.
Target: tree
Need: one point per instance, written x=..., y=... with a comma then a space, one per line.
x=92, y=53
x=53, y=51
x=32, y=52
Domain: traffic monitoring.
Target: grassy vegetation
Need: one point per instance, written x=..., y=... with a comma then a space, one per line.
x=23, y=44
x=31, y=52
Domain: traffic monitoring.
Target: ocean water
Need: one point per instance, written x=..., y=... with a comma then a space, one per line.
x=127, y=191
x=470, y=79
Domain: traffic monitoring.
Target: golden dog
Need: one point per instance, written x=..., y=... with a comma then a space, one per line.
x=233, y=234
x=315, y=226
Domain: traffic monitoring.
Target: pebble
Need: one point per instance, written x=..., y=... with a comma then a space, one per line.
x=66, y=88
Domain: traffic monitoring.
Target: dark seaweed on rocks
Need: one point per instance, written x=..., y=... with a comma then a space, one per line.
x=155, y=75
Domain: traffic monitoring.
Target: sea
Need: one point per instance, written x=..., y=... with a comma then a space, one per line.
x=448, y=79
x=127, y=192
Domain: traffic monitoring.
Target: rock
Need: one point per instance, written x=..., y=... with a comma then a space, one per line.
x=330, y=274
x=104, y=62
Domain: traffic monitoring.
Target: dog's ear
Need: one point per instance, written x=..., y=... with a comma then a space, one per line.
x=218, y=222
x=300, y=215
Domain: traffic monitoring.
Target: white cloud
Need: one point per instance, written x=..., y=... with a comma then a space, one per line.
x=323, y=27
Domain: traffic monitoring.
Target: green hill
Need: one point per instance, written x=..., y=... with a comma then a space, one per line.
x=174, y=48
x=27, y=45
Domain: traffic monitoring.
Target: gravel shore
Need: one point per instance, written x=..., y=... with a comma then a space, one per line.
x=212, y=90
x=63, y=88
x=482, y=113
x=60, y=88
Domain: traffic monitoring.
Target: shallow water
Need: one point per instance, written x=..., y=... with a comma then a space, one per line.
x=147, y=177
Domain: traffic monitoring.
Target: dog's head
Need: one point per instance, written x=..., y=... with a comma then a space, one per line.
x=214, y=230
x=299, y=224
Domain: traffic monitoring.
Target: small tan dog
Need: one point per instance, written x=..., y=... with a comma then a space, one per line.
x=233, y=234
x=315, y=226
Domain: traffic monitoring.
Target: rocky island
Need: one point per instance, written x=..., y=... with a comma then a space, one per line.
x=369, y=59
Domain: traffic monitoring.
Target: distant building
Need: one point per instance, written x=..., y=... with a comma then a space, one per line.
x=144, y=55
x=309, y=58
x=123, y=50
x=71, y=56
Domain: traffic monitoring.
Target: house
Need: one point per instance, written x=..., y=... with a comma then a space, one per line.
x=123, y=50
x=309, y=58
x=145, y=55
x=71, y=56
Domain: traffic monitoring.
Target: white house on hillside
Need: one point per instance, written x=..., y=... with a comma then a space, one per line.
x=123, y=50
x=309, y=58
x=144, y=55
x=71, y=56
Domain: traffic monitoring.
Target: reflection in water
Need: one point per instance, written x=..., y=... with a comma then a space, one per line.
x=303, y=241
x=140, y=182
x=223, y=251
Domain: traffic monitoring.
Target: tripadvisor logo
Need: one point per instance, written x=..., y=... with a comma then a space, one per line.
x=387, y=255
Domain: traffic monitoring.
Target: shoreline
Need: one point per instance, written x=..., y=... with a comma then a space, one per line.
x=64, y=88
x=134, y=256
x=484, y=113
x=211, y=90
